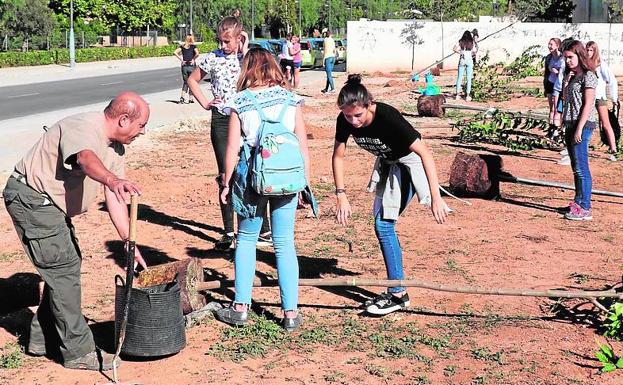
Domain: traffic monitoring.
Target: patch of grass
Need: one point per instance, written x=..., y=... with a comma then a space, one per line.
x=608, y=238
x=452, y=266
x=10, y=257
x=484, y=354
x=11, y=356
x=377, y=370
x=420, y=380
x=334, y=376
x=252, y=341
x=579, y=278
x=449, y=370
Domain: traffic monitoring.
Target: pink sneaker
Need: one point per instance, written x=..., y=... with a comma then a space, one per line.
x=577, y=213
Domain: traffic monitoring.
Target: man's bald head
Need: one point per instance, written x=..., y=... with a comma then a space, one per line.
x=126, y=103
x=126, y=117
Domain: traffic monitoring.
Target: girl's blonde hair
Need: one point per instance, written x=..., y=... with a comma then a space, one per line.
x=231, y=25
x=190, y=39
x=259, y=68
x=596, y=54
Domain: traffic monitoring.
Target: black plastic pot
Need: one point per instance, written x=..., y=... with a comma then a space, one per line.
x=155, y=322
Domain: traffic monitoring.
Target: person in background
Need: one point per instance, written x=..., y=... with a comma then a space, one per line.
x=605, y=76
x=287, y=60
x=223, y=65
x=553, y=75
x=579, y=120
x=295, y=51
x=476, y=37
x=262, y=95
x=465, y=48
x=187, y=53
x=404, y=168
x=329, y=52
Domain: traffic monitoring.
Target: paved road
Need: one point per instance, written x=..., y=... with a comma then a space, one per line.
x=23, y=100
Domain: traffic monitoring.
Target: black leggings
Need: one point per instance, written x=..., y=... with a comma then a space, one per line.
x=186, y=71
x=218, y=134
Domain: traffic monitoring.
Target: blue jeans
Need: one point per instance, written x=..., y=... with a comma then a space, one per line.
x=328, y=68
x=282, y=215
x=465, y=67
x=385, y=230
x=578, y=154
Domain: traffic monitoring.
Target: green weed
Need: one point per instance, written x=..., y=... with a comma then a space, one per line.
x=11, y=356
x=484, y=354
x=377, y=370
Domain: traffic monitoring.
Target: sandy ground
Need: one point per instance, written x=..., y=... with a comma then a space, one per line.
x=518, y=241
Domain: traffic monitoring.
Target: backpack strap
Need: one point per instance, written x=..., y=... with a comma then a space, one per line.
x=259, y=110
x=257, y=107
x=286, y=104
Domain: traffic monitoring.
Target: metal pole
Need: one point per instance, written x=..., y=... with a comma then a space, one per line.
x=72, y=42
x=330, y=16
x=191, y=17
x=252, y=19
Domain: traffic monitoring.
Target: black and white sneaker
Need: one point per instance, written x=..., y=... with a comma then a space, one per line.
x=225, y=243
x=265, y=240
x=387, y=303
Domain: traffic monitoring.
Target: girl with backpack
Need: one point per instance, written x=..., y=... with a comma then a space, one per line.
x=579, y=120
x=404, y=168
x=263, y=104
x=605, y=77
x=223, y=66
x=465, y=48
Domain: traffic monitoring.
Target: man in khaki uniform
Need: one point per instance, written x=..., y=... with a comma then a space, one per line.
x=60, y=177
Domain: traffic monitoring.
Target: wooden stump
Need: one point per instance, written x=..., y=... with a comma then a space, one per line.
x=431, y=106
x=475, y=175
x=189, y=273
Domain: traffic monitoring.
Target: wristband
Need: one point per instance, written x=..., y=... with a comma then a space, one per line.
x=340, y=191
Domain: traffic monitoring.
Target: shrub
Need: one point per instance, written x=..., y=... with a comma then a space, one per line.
x=83, y=55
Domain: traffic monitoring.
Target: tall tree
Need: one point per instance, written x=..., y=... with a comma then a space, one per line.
x=26, y=17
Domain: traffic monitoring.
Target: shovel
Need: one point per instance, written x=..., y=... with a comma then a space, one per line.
x=131, y=249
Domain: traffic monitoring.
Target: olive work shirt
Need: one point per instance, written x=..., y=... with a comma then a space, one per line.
x=51, y=166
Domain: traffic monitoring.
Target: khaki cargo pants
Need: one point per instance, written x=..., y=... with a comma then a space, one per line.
x=49, y=240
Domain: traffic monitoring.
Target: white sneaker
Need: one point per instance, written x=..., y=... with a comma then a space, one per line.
x=458, y=97
x=469, y=98
x=565, y=161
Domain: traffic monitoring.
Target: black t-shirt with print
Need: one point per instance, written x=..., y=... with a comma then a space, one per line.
x=388, y=136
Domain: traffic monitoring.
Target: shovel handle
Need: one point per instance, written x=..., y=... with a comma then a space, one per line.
x=133, y=217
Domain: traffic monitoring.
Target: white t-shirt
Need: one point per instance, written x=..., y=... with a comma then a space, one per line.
x=271, y=100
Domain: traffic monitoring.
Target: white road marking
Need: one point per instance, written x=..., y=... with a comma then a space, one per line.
x=111, y=83
x=22, y=95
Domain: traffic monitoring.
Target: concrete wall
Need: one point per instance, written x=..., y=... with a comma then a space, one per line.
x=386, y=45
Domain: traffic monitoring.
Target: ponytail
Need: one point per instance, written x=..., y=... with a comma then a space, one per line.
x=354, y=93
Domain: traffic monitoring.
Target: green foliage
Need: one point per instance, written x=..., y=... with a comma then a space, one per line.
x=127, y=15
x=26, y=17
x=492, y=81
x=59, y=56
x=610, y=362
x=614, y=321
x=512, y=130
x=11, y=356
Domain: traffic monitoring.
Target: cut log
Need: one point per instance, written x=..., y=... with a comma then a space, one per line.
x=475, y=175
x=189, y=273
x=431, y=106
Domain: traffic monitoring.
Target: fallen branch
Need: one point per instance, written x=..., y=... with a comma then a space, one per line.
x=320, y=282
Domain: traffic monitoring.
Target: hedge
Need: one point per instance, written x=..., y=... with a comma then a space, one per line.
x=83, y=55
